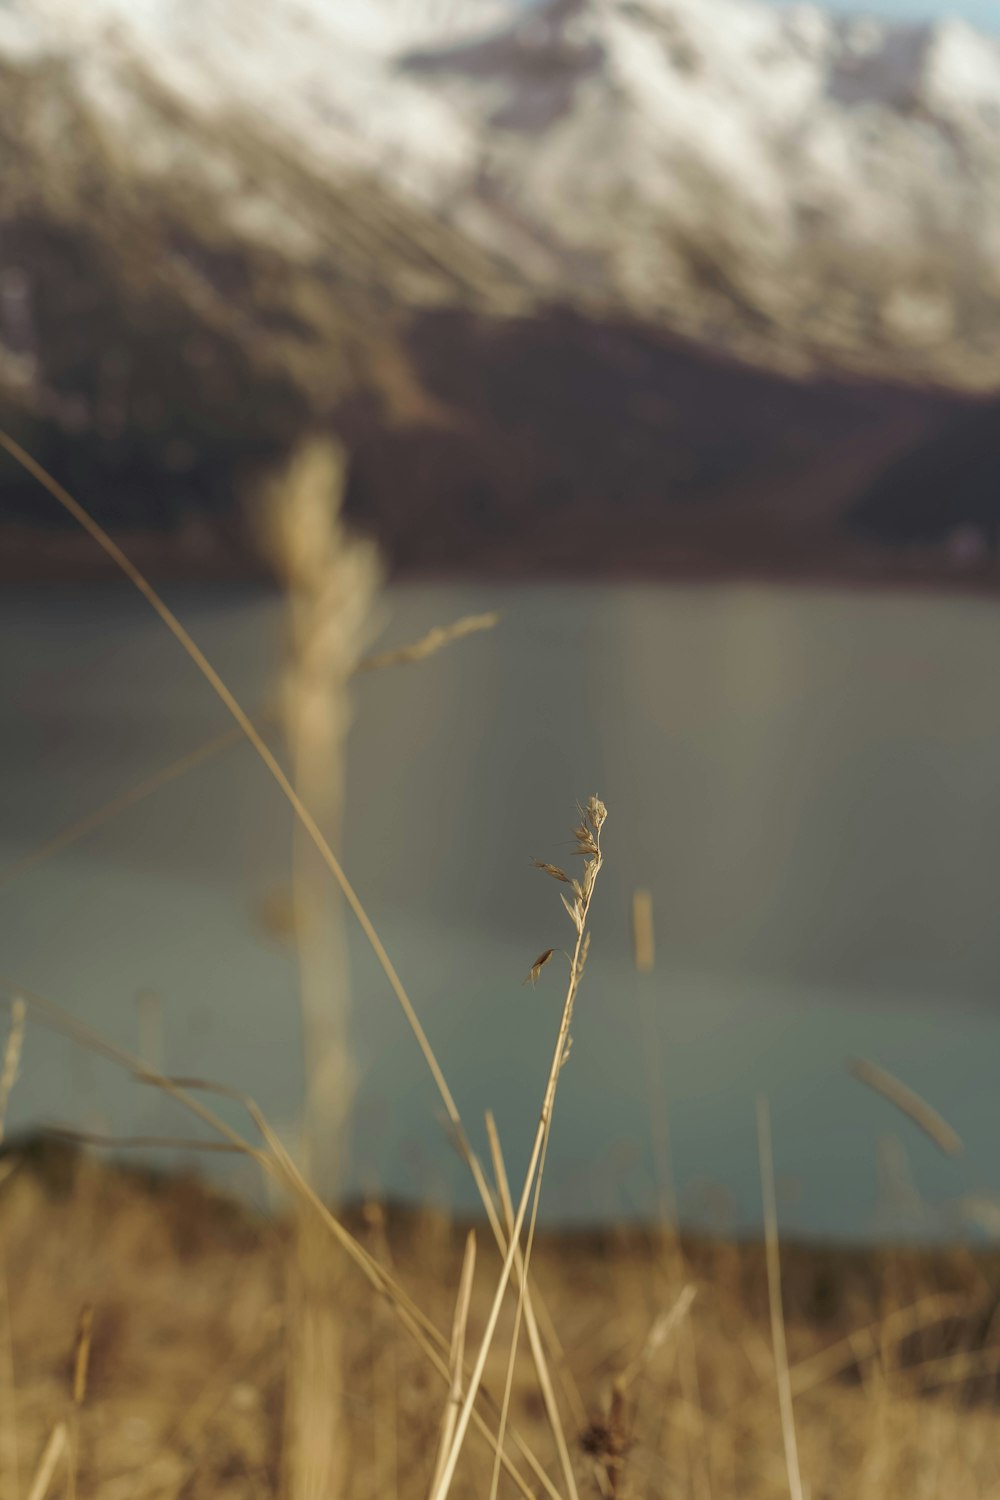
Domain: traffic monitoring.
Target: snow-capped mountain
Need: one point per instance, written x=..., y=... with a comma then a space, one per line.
x=523, y=254
x=835, y=183
x=792, y=186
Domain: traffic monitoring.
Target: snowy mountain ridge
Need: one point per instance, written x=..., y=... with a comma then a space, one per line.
x=826, y=175
x=784, y=184
x=546, y=269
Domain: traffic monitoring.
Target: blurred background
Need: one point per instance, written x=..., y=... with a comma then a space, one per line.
x=667, y=329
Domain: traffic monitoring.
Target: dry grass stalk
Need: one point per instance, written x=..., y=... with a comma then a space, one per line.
x=643, y=944
x=536, y=1314
x=78, y=1391
x=910, y=1103
x=150, y=1017
x=866, y=1343
x=316, y=1452
x=385, y=1368
x=661, y=1332
x=501, y=1235
x=456, y=1357
x=8, y=1387
x=435, y=640
x=331, y=579
x=774, y=1297
x=81, y=1354
x=534, y=1339
x=49, y=1462
x=675, y=1267
x=588, y=846
x=11, y=1059
x=951, y=1369
x=502, y=1238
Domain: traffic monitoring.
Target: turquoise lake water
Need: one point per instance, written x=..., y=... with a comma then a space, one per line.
x=809, y=783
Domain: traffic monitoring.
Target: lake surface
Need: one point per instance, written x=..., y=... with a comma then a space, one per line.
x=809, y=783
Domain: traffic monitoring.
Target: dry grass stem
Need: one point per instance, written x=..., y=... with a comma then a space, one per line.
x=435, y=640
x=866, y=1343
x=643, y=945
x=910, y=1104
x=588, y=836
x=49, y=1462
x=661, y=1332
x=508, y=1386
x=11, y=1059
x=523, y=1308
x=456, y=1357
x=8, y=1389
x=675, y=1269
x=535, y=1314
x=331, y=578
x=8, y=1078
x=149, y=1007
x=78, y=1391
x=385, y=1369
x=81, y=1354
x=774, y=1297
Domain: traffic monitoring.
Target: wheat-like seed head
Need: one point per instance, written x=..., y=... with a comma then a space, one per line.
x=332, y=577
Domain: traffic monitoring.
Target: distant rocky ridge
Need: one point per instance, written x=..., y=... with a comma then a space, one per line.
x=608, y=285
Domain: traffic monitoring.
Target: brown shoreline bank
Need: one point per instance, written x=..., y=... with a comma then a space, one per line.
x=40, y=558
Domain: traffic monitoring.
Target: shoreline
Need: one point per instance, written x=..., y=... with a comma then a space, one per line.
x=32, y=559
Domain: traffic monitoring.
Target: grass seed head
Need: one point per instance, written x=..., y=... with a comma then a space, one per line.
x=596, y=814
x=539, y=965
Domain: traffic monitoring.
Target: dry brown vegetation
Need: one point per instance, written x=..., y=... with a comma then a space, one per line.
x=189, y=1360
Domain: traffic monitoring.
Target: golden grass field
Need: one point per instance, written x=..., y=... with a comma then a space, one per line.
x=158, y=1340
x=193, y=1332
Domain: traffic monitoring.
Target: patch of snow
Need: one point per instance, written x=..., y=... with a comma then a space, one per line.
x=603, y=144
